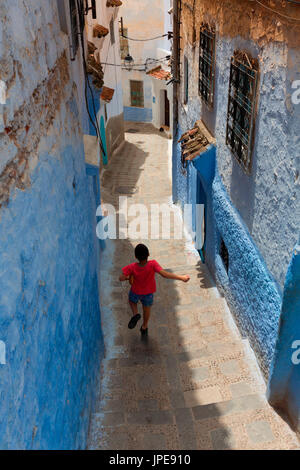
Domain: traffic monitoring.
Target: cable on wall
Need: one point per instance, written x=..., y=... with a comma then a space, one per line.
x=277, y=12
x=87, y=82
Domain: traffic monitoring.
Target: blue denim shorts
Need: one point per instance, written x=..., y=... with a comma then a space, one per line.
x=147, y=300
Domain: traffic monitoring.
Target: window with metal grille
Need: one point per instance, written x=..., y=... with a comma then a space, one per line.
x=112, y=31
x=124, y=45
x=186, y=81
x=137, y=93
x=224, y=254
x=207, y=53
x=242, y=108
x=74, y=29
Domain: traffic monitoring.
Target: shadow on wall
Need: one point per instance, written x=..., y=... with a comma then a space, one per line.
x=114, y=133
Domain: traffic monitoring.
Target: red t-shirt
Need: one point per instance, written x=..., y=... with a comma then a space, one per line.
x=143, y=276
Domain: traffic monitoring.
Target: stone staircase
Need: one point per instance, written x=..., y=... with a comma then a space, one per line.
x=193, y=384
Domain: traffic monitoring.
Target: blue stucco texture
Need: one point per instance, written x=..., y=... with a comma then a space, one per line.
x=284, y=382
x=49, y=306
x=137, y=114
x=251, y=291
x=249, y=287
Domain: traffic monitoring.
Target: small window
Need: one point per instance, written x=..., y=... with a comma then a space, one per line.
x=186, y=81
x=74, y=29
x=124, y=45
x=242, y=108
x=224, y=255
x=137, y=93
x=207, y=49
x=112, y=31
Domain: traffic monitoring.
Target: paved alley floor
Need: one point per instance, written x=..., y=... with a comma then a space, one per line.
x=194, y=383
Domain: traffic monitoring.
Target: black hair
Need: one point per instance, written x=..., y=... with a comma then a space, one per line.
x=141, y=252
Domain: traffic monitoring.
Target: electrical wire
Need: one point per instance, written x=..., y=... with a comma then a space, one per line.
x=87, y=82
x=138, y=65
x=278, y=12
x=150, y=39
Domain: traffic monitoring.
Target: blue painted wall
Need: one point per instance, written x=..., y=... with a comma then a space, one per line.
x=93, y=99
x=49, y=307
x=249, y=287
x=49, y=253
x=137, y=114
x=284, y=382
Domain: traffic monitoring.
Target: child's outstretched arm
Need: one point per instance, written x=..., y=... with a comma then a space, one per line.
x=167, y=275
x=122, y=277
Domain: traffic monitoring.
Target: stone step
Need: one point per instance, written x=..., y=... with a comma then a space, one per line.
x=250, y=402
x=213, y=351
x=246, y=422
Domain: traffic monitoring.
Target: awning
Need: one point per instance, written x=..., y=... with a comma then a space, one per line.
x=160, y=73
x=99, y=31
x=195, y=141
x=91, y=47
x=113, y=3
x=107, y=94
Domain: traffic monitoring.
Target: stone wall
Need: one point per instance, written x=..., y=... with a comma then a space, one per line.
x=49, y=255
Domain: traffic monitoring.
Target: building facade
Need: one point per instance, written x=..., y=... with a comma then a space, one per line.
x=50, y=329
x=146, y=96
x=102, y=26
x=238, y=123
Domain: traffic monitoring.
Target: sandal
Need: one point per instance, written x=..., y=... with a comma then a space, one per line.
x=133, y=321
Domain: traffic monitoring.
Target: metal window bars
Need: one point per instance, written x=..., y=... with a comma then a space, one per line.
x=242, y=107
x=207, y=54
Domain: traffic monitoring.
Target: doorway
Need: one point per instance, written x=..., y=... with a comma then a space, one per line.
x=200, y=219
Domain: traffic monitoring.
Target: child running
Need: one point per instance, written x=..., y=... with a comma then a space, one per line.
x=141, y=276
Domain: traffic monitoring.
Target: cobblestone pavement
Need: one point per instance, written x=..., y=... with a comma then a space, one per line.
x=194, y=384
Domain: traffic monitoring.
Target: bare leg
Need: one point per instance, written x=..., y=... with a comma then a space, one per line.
x=146, y=316
x=133, y=307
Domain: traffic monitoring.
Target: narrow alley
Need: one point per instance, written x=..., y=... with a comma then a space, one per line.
x=169, y=123
x=194, y=383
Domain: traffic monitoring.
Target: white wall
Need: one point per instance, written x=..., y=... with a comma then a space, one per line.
x=109, y=53
x=143, y=19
